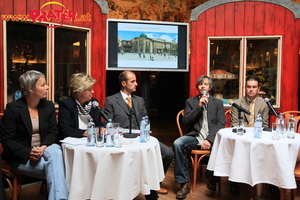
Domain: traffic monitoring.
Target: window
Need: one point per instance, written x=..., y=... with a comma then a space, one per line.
x=27, y=48
x=231, y=60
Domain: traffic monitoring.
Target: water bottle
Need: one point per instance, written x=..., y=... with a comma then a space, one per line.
x=281, y=125
x=109, y=134
x=143, y=138
x=147, y=128
x=258, y=126
x=291, y=128
x=91, y=133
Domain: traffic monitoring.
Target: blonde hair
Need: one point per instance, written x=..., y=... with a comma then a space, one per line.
x=80, y=82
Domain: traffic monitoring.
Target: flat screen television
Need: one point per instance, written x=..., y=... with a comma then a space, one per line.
x=141, y=45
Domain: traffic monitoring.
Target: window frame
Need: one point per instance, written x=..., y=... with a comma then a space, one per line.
x=50, y=50
x=243, y=61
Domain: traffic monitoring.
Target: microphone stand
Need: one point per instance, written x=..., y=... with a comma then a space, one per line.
x=239, y=117
x=130, y=135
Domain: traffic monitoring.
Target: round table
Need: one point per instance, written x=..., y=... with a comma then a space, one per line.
x=245, y=159
x=112, y=173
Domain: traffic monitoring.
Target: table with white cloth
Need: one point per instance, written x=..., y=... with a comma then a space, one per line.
x=246, y=159
x=112, y=173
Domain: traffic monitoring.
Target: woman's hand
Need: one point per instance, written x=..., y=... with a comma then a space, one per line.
x=37, y=152
x=103, y=131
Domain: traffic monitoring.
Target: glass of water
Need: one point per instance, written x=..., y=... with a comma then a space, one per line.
x=275, y=131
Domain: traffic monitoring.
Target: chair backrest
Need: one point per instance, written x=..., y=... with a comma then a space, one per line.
x=228, y=116
x=179, y=115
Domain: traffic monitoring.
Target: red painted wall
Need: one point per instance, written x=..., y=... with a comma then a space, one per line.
x=250, y=19
x=98, y=35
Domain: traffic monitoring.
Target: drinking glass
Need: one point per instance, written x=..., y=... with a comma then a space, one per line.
x=118, y=137
x=240, y=127
x=275, y=131
x=99, y=137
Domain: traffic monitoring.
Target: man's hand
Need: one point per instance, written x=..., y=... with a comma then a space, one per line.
x=205, y=145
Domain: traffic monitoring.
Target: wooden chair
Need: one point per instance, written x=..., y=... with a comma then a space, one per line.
x=297, y=177
x=7, y=172
x=196, y=155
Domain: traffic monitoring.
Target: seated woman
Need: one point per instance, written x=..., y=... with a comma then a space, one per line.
x=75, y=110
x=29, y=133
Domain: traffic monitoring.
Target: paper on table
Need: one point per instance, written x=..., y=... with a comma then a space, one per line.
x=132, y=131
x=135, y=131
x=74, y=141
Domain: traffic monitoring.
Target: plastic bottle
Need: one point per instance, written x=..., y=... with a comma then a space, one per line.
x=143, y=138
x=291, y=128
x=147, y=128
x=281, y=125
x=109, y=134
x=91, y=133
x=258, y=126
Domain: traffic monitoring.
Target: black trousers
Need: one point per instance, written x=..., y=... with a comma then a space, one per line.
x=167, y=155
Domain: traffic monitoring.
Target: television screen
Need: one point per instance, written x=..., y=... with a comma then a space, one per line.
x=143, y=45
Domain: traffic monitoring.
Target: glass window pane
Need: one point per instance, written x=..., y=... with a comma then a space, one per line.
x=224, y=68
x=262, y=60
x=70, y=57
x=26, y=50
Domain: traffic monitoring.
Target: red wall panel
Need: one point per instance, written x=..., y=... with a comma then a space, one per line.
x=97, y=27
x=250, y=19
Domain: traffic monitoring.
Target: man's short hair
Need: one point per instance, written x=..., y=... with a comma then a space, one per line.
x=201, y=79
x=123, y=76
x=254, y=78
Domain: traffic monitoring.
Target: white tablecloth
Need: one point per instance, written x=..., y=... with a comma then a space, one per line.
x=113, y=173
x=248, y=160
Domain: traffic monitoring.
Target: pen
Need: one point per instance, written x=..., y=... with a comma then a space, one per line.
x=38, y=152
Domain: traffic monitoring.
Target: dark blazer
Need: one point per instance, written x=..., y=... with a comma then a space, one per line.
x=215, y=116
x=68, y=124
x=116, y=109
x=16, y=129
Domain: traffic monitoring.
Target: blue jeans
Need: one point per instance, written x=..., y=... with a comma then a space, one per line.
x=181, y=147
x=50, y=167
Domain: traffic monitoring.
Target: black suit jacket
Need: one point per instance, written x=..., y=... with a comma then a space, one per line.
x=16, y=129
x=215, y=116
x=68, y=124
x=116, y=109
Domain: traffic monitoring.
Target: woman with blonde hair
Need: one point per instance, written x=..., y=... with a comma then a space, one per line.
x=75, y=110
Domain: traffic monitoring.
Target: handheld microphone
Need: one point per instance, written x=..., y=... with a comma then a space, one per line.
x=240, y=108
x=204, y=93
x=271, y=107
x=96, y=105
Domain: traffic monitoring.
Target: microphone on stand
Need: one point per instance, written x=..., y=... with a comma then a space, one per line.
x=96, y=105
x=240, y=108
x=271, y=107
x=130, y=135
x=204, y=93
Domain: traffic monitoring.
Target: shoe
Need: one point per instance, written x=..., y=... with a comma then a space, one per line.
x=184, y=190
x=234, y=188
x=212, y=181
x=257, y=198
x=162, y=191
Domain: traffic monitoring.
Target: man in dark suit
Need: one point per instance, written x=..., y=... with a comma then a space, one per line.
x=205, y=116
x=118, y=109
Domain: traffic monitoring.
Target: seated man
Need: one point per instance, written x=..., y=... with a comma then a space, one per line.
x=205, y=115
x=117, y=107
x=255, y=105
